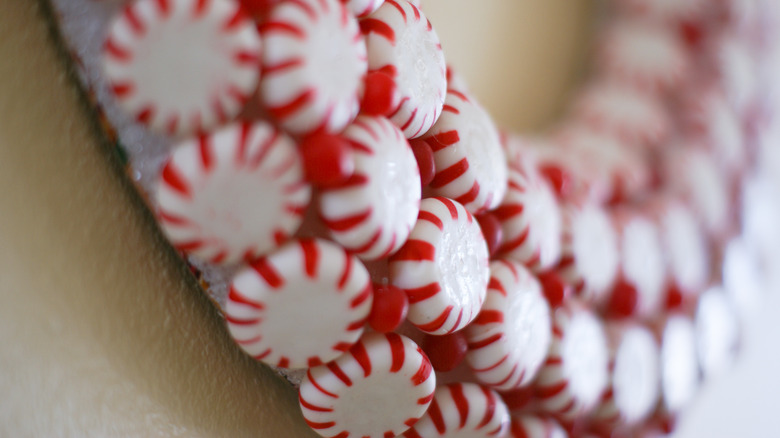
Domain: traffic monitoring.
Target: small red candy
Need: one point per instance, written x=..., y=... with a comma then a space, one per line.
x=327, y=159
x=558, y=178
x=389, y=308
x=623, y=301
x=445, y=352
x=380, y=96
x=554, y=288
x=491, y=230
x=424, y=155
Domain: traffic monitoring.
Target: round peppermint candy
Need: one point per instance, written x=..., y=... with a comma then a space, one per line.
x=743, y=277
x=182, y=66
x=261, y=170
x=313, y=64
x=402, y=43
x=462, y=410
x=575, y=373
x=373, y=212
x=612, y=169
x=693, y=174
x=535, y=426
x=471, y=166
x=635, y=117
x=643, y=55
x=685, y=245
x=377, y=389
x=717, y=332
x=590, y=257
x=635, y=376
x=679, y=363
x=530, y=219
x=303, y=305
x=642, y=261
x=509, y=340
x=442, y=267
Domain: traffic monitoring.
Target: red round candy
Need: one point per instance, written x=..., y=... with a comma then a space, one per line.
x=327, y=159
x=624, y=299
x=380, y=96
x=424, y=155
x=674, y=298
x=491, y=230
x=389, y=308
x=554, y=288
x=445, y=352
x=558, y=178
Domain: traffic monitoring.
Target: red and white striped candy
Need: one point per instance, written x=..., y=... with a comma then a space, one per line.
x=717, y=332
x=372, y=214
x=679, y=364
x=687, y=253
x=510, y=338
x=402, y=43
x=737, y=72
x=611, y=168
x=642, y=263
x=462, y=410
x=634, y=388
x=261, y=170
x=590, y=257
x=303, y=305
x=643, y=55
x=182, y=66
x=530, y=219
x=378, y=389
x=313, y=65
x=361, y=8
x=535, y=426
x=636, y=118
x=575, y=373
x=443, y=267
x=471, y=166
x=693, y=174
x=712, y=122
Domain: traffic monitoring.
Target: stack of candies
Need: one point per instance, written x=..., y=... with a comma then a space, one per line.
x=366, y=229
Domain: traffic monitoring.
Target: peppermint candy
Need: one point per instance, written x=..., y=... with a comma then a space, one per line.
x=679, y=364
x=684, y=243
x=634, y=388
x=313, y=64
x=717, y=332
x=402, y=43
x=635, y=117
x=509, y=340
x=462, y=410
x=590, y=256
x=642, y=261
x=470, y=163
x=303, y=305
x=575, y=373
x=261, y=170
x=182, y=66
x=643, y=55
x=531, y=219
x=379, y=388
x=373, y=212
x=443, y=267
x=612, y=169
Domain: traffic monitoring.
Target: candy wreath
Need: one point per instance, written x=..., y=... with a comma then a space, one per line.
x=367, y=229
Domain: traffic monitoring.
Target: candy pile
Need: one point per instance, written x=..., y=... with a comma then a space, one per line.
x=359, y=218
